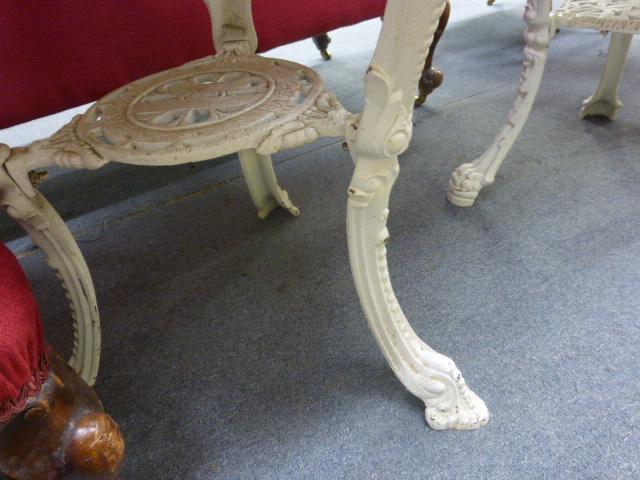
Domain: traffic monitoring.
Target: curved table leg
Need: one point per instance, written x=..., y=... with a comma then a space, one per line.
x=468, y=179
x=432, y=377
x=605, y=100
x=50, y=233
x=263, y=185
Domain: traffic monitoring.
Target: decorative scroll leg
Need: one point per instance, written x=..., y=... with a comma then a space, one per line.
x=605, y=100
x=432, y=377
x=322, y=43
x=263, y=185
x=432, y=77
x=467, y=180
x=49, y=232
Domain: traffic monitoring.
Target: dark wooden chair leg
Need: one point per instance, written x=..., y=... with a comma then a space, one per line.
x=432, y=77
x=322, y=43
x=62, y=434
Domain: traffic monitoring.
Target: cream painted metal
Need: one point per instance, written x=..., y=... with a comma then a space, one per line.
x=620, y=17
x=240, y=102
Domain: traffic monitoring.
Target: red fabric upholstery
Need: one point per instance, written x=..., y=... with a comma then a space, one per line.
x=57, y=54
x=23, y=362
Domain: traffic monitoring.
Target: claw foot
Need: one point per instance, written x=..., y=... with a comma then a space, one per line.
x=450, y=403
x=466, y=412
x=464, y=185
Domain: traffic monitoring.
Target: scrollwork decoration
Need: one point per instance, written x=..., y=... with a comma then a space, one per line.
x=326, y=118
x=67, y=150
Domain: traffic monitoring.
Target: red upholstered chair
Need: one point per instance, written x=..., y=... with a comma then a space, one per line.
x=58, y=54
x=52, y=424
x=73, y=59
x=24, y=363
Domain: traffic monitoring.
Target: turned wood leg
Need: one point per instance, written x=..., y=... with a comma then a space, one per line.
x=468, y=179
x=322, y=43
x=605, y=100
x=432, y=77
x=432, y=377
x=263, y=185
x=50, y=233
x=62, y=434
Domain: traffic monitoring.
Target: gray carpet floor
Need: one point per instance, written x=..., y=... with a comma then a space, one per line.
x=235, y=348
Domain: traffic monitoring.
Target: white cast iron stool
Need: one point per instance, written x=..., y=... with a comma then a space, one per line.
x=621, y=17
x=241, y=102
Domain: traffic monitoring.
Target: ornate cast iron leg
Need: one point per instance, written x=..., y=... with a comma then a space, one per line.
x=469, y=178
x=49, y=232
x=322, y=43
x=605, y=100
x=383, y=132
x=427, y=374
x=262, y=183
x=432, y=77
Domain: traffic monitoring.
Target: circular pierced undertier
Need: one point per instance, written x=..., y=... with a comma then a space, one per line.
x=204, y=109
